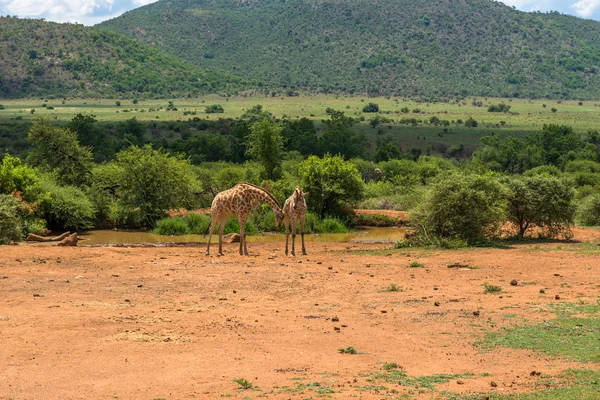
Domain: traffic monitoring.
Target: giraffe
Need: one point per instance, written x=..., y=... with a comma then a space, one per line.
x=239, y=201
x=294, y=209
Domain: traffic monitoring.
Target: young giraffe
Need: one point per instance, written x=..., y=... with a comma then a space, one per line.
x=239, y=201
x=294, y=209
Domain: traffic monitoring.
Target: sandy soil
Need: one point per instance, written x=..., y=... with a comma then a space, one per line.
x=172, y=323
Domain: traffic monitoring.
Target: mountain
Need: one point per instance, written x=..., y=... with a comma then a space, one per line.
x=39, y=58
x=428, y=48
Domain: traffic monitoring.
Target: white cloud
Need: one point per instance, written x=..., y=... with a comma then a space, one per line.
x=143, y=2
x=82, y=11
x=586, y=8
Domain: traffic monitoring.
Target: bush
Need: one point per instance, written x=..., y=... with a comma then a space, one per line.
x=541, y=201
x=172, y=227
x=15, y=176
x=332, y=183
x=371, y=108
x=10, y=226
x=197, y=224
x=214, y=109
x=499, y=108
x=588, y=212
x=469, y=208
x=375, y=220
x=64, y=207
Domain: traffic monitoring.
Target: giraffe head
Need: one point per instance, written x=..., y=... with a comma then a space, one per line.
x=299, y=194
x=278, y=216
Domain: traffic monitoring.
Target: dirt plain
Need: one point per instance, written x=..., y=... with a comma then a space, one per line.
x=172, y=323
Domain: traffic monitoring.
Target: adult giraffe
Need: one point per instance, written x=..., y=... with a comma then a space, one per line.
x=239, y=201
x=294, y=209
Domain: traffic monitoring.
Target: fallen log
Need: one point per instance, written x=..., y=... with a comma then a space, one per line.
x=69, y=241
x=37, y=238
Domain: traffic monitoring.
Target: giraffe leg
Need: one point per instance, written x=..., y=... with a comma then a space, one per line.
x=242, y=220
x=294, y=225
x=222, y=222
x=302, y=234
x=213, y=221
x=286, y=222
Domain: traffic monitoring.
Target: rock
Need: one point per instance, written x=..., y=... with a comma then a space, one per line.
x=557, y=297
x=542, y=291
x=476, y=313
x=70, y=240
x=535, y=373
x=459, y=382
x=335, y=319
x=231, y=238
x=437, y=304
x=514, y=282
x=493, y=384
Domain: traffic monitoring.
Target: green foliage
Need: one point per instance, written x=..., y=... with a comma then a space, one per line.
x=371, y=108
x=487, y=288
x=265, y=144
x=197, y=224
x=14, y=176
x=171, y=227
x=214, y=109
x=76, y=61
x=541, y=201
x=58, y=151
x=348, y=350
x=244, y=383
x=332, y=183
x=339, y=138
x=588, y=211
x=10, y=226
x=501, y=108
x=461, y=207
x=361, y=46
x=154, y=182
x=64, y=207
x=375, y=220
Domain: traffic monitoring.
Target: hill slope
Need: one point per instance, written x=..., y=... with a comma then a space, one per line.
x=406, y=47
x=40, y=58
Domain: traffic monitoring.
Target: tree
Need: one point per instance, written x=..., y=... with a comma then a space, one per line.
x=132, y=131
x=541, y=201
x=10, y=226
x=461, y=207
x=554, y=143
x=154, y=182
x=300, y=135
x=371, y=108
x=15, y=176
x=265, y=144
x=90, y=135
x=332, y=183
x=57, y=150
x=339, y=138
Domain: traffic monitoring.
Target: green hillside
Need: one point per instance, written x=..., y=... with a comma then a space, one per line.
x=428, y=48
x=39, y=58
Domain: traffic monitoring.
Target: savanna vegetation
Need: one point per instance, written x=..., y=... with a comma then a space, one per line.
x=129, y=173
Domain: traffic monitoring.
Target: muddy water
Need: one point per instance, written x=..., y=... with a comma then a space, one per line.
x=367, y=235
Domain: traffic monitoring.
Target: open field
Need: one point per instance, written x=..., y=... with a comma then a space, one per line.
x=526, y=116
x=172, y=323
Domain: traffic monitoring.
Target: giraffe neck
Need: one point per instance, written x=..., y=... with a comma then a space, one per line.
x=265, y=197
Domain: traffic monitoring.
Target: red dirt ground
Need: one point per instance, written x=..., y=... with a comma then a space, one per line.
x=172, y=323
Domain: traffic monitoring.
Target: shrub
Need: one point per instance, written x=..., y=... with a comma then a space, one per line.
x=64, y=207
x=172, y=227
x=460, y=208
x=471, y=123
x=588, y=212
x=499, y=108
x=10, y=226
x=541, y=201
x=371, y=108
x=332, y=183
x=15, y=176
x=197, y=224
x=214, y=109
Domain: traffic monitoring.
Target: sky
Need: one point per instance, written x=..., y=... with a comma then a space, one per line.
x=90, y=12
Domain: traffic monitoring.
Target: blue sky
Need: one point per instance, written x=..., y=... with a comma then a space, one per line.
x=91, y=12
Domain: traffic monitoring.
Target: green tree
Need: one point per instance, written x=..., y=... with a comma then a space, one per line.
x=339, y=138
x=57, y=150
x=461, y=207
x=371, y=108
x=132, y=131
x=15, y=176
x=154, y=182
x=265, y=144
x=332, y=183
x=541, y=201
x=90, y=135
x=10, y=226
